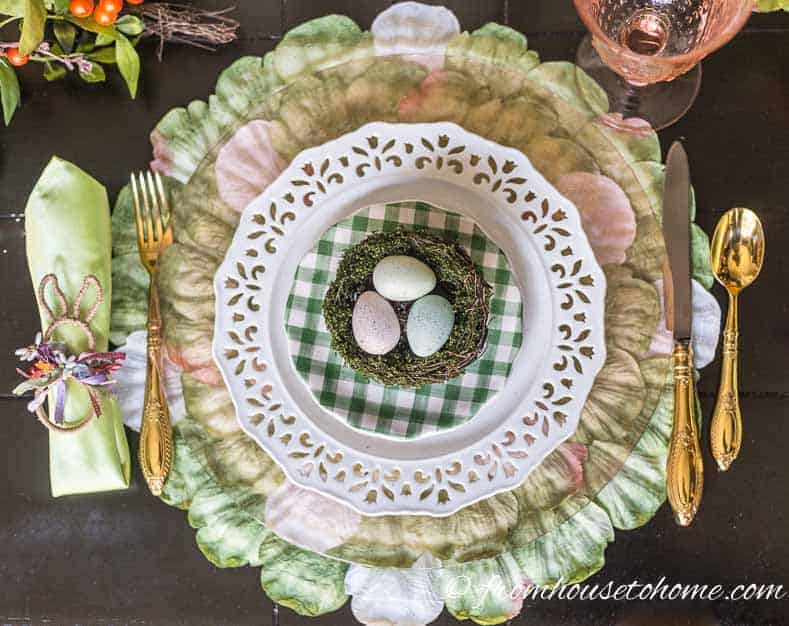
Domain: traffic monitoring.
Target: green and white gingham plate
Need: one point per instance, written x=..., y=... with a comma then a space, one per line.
x=390, y=410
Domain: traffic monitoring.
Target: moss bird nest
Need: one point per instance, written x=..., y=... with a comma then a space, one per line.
x=458, y=280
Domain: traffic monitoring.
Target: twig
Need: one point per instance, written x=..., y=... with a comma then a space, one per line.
x=44, y=54
x=186, y=24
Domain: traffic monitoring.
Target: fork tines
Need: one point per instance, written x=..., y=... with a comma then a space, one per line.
x=151, y=209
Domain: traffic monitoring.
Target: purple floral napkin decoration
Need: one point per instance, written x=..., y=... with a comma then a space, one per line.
x=52, y=367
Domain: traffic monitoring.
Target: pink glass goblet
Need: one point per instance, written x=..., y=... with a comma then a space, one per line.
x=646, y=53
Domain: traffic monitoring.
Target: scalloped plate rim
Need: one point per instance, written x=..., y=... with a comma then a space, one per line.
x=596, y=330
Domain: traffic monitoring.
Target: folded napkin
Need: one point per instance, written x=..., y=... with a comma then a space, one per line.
x=67, y=221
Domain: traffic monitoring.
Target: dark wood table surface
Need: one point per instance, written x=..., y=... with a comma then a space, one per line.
x=126, y=558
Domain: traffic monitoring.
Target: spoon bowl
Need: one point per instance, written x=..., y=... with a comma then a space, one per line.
x=737, y=249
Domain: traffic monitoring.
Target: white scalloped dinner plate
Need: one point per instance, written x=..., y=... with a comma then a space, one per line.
x=563, y=291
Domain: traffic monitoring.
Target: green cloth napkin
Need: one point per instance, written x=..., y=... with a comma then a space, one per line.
x=67, y=221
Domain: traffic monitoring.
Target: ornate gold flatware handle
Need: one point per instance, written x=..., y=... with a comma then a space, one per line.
x=156, y=435
x=726, y=429
x=685, y=468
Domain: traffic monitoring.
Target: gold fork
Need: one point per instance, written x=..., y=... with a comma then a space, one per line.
x=154, y=235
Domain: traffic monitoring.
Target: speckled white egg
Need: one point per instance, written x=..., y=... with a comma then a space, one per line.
x=375, y=324
x=403, y=278
x=429, y=325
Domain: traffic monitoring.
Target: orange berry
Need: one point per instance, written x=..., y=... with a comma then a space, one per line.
x=111, y=6
x=135, y=1
x=80, y=8
x=16, y=59
x=104, y=18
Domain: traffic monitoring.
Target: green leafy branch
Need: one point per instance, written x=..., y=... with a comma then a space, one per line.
x=9, y=91
x=111, y=45
x=76, y=35
x=79, y=44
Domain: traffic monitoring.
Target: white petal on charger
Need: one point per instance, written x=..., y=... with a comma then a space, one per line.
x=309, y=519
x=415, y=29
x=706, y=327
x=395, y=596
x=130, y=386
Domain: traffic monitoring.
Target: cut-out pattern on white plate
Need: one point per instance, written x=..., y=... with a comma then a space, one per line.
x=564, y=291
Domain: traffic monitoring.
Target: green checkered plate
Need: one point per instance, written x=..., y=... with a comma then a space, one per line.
x=391, y=410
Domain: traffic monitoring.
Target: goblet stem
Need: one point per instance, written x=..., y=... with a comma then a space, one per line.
x=636, y=108
x=631, y=99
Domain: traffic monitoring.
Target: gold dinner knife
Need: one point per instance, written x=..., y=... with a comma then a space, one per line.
x=685, y=468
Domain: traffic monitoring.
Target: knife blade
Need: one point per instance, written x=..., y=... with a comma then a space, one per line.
x=685, y=466
x=676, y=232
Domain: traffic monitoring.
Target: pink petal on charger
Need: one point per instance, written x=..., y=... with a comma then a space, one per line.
x=517, y=598
x=575, y=455
x=201, y=366
x=417, y=98
x=247, y=164
x=606, y=214
x=162, y=160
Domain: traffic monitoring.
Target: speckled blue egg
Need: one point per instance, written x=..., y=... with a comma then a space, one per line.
x=429, y=325
x=403, y=278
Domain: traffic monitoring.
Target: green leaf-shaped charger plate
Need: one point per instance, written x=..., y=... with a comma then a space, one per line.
x=325, y=79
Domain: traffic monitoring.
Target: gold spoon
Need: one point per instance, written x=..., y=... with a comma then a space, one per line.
x=737, y=251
